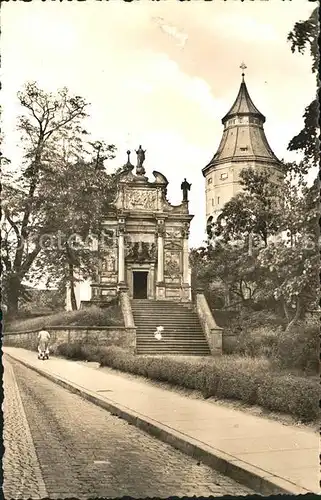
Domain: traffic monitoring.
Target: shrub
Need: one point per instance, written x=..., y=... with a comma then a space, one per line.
x=255, y=333
x=298, y=396
x=211, y=381
x=241, y=378
x=248, y=320
x=257, y=342
x=117, y=358
x=159, y=369
x=299, y=347
x=196, y=378
x=78, y=351
x=141, y=365
x=247, y=379
x=91, y=316
x=304, y=403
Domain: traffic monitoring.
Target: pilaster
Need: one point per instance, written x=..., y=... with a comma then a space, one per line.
x=121, y=251
x=185, y=234
x=160, y=232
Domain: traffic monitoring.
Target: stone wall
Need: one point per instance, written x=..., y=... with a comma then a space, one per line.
x=212, y=332
x=104, y=336
x=126, y=309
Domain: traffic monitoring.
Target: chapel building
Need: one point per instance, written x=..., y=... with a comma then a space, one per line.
x=143, y=266
x=146, y=247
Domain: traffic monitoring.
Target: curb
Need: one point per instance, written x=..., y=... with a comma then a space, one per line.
x=248, y=475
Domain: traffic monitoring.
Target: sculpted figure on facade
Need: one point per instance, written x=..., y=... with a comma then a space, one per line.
x=141, y=198
x=121, y=226
x=141, y=251
x=108, y=264
x=185, y=187
x=140, y=160
x=132, y=250
x=160, y=228
x=153, y=251
x=172, y=263
x=185, y=230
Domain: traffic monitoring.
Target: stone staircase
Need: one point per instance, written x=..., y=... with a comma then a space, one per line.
x=182, y=335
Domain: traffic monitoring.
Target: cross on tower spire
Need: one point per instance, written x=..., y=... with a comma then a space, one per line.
x=243, y=67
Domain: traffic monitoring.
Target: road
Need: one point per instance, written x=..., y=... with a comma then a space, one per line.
x=59, y=445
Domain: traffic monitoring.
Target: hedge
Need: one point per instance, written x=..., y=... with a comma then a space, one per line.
x=228, y=377
x=89, y=316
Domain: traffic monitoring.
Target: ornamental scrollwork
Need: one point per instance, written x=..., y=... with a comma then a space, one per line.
x=141, y=199
x=185, y=230
x=172, y=264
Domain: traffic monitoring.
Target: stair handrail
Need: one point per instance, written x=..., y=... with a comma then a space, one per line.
x=126, y=308
x=212, y=331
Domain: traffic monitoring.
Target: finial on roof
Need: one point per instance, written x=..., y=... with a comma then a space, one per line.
x=243, y=67
x=128, y=165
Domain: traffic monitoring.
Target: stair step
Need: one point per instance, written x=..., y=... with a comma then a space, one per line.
x=150, y=335
x=166, y=318
x=182, y=335
x=174, y=353
x=187, y=342
x=170, y=348
x=168, y=327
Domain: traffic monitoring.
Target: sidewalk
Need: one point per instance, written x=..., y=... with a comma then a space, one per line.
x=266, y=456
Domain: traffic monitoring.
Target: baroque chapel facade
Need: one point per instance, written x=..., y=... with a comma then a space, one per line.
x=243, y=145
x=146, y=248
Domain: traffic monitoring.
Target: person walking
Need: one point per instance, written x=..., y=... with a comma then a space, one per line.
x=43, y=340
x=158, y=332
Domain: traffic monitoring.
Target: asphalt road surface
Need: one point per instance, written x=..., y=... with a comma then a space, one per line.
x=59, y=445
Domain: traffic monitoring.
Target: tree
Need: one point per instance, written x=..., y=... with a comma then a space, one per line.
x=74, y=211
x=286, y=267
x=51, y=135
x=305, y=36
x=252, y=213
x=228, y=267
x=292, y=277
x=283, y=268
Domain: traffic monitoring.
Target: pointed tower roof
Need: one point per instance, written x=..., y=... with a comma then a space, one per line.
x=243, y=137
x=243, y=105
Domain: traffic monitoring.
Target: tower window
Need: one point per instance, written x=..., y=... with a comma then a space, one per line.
x=209, y=181
x=244, y=149
x=212, y=202
x=218, y=200
x=224, y=176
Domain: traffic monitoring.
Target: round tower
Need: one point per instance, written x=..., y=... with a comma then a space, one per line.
x=243, y=145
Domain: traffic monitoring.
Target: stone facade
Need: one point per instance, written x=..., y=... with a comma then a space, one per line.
x=103, y=336
x=144, y=241
x=243, y=145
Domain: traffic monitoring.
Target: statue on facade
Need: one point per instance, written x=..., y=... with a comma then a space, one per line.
x=152, y=251
x=140, y=160
x=185, y=187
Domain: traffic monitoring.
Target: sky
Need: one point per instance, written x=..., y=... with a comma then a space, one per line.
x=160, y=74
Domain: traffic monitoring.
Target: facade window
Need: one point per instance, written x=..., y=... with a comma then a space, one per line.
x=218, y=200
x=212, y=202
x=224, y=176
x=209, y=181
x=244, y=149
